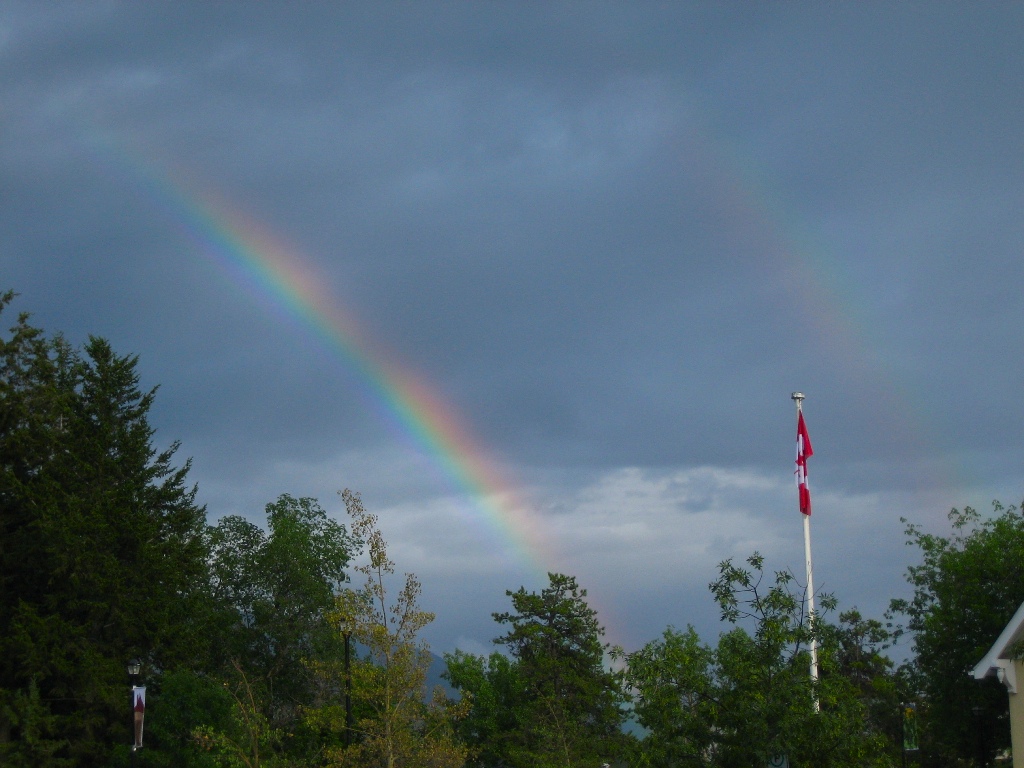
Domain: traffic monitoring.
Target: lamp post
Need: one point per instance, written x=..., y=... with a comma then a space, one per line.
x=134, y=668
x=348, y=687
x=979, y=724
x=345, y=606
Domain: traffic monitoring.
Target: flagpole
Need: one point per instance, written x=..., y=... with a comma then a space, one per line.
x=798, y=398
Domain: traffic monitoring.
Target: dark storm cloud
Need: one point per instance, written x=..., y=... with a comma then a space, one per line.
x=615, y=237
x=534, y=204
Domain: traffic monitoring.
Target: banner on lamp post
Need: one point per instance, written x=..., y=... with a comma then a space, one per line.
x=139, y=710
x=910, y=728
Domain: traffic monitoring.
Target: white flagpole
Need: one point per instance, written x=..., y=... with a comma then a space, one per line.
x=798, y=397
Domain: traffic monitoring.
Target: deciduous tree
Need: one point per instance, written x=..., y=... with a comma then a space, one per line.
x=278, y=587
x=751, y=697
x=966, y=587
x=398, y=725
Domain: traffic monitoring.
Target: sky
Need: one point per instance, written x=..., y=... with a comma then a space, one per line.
x=538, y=279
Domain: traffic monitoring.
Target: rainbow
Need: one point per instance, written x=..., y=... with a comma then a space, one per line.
x=837, y=316
x=254, y=257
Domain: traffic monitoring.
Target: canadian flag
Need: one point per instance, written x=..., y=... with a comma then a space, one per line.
x=803, y=452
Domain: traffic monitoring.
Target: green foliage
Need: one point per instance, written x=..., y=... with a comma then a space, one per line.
x=397, y=727
x=555, y=703
x=104, y=556
x=752, y=696
x=966, y=588
x=38, y=743
x=497, y=715
x=882, y=690
x=246, y=739
x=102, y=552
x=183, y=703
x=673, y=684
x=574, y=704
x=279, y=587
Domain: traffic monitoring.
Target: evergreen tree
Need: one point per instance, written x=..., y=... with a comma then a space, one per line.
x=563, y=707
x=102, y=547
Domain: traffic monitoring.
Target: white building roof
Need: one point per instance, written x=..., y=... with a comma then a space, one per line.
x=997, y=662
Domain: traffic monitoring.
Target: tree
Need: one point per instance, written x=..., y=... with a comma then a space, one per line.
x=882, y=689
x=965, y=589
x=398, y=726
x=496, y=693
x=102, y=547
x=245, y=738
x=564, y=706
x=672, y=680
x=187, y=701
x=37, y=728
x=279, y=590
x=751, y=697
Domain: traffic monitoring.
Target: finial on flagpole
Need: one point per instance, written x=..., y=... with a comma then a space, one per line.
x=798, y=398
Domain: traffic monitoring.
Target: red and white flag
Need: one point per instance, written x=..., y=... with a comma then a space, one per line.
x=803, y=452
x=139, y=708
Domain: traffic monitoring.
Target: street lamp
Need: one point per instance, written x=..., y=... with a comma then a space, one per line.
x=979, y=724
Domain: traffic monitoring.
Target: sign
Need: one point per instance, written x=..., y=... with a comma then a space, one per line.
x=778, y=761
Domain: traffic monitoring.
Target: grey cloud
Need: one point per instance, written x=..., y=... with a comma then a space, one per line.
x=609, y=235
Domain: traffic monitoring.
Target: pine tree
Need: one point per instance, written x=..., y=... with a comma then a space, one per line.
x=555, y=703
x=102, y=547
